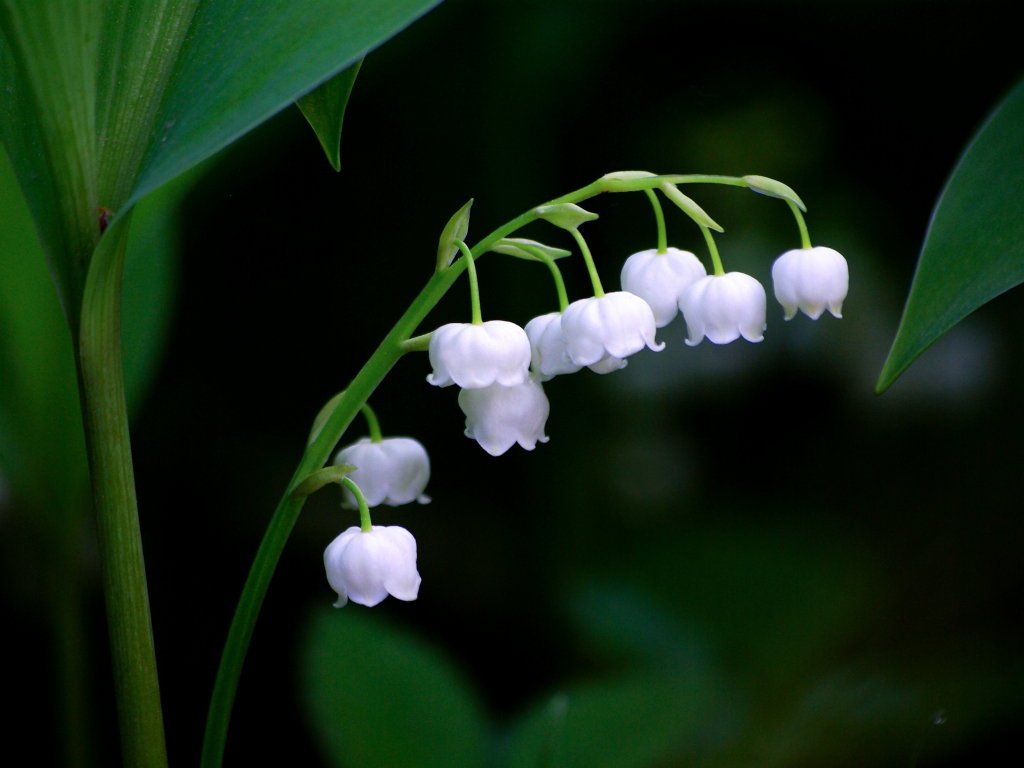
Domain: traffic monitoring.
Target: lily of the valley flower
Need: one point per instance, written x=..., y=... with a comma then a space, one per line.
x=498, y=417
x=615, y=325
x=549, y=353
x=811, y=279
x=723, y=308
x=367, y=566
x=394, y=471
x=660, y=279
x=479, y=355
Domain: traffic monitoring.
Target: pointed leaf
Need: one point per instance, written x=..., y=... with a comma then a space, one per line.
x=765, y=186
x=974, y=248
x=689, y=207
x=564, y=215
x=522, y=248
x=324, y=108
x=456, y=229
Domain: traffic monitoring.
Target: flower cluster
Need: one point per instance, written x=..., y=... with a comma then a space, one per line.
x=501, y=367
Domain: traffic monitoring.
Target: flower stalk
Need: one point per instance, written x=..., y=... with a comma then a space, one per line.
x=659, y=215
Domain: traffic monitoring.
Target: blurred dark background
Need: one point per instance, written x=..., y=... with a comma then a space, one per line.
x=845, y=567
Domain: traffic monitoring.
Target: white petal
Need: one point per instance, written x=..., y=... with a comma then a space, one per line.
x=723, y=308
x=499, y=417
x=608, y=364
x=394, y=471
x=550, y=357
x=401, y=578
x=811, y=279
x=476, y=356
x=617, y=324
x=660, y=279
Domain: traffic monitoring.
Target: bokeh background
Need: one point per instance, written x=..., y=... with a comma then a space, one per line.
x=724, y=556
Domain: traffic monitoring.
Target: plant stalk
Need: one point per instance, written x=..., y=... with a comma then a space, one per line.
x=350, y=402
x=105, y=418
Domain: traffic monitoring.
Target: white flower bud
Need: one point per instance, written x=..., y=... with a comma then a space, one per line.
x=547, y=342
x=366, y=567
x=617, y=324
x=476, y=356
x=498, y=417
x=811, y=279
x=723, y=308
x=660, y=279
x=394, y=471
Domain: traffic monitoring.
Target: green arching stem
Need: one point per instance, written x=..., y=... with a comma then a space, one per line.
x=364, y=510
x=556, y=273
x=715, y=258
x=805, y=238
x=319, y=450
x=474, y=286
x=372, y=423
x=660, y=216
x=594, y=278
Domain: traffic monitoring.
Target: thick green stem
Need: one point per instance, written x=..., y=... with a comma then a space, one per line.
x=364, y=510
x=805, y=238
x=318, y=451
x=372, y=424
x=716, y=260
x=595, y=280
x=105, y=418
x=659, y=215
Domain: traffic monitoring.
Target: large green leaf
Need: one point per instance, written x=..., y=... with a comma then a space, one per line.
x=974, y=248
x=104, y=101
x=324, y=108
x=379, y=698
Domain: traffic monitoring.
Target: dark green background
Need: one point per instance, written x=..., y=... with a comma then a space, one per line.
x=842, y=566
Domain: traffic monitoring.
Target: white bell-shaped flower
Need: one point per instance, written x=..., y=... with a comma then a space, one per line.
x=365, y=567
x=811, y=279
x=608, y=364
x=394, y=471
x=547, y=342
x=615, y=325
x=660, y=279
x=498, y=417
x=723, y=308
x=476, y=356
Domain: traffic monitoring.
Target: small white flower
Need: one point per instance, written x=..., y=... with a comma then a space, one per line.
x=476, y=356
x=547, y=342
x=811, y=279
x=366, y=567
x=723, y=308
x=661, y=278
x=394, y=471
x=498, y=417
x=616, y=325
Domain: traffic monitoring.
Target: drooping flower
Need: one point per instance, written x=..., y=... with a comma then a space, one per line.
x=661, y=278
x=365, y=567
x=547, y=342
x=476, y=356
x=811, y=279
x=497, y=417
x=615, y=325
x=394, y=471
x=723, y=308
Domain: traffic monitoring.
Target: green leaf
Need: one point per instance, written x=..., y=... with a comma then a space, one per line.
x=522, y=248
x=689, y=207
x=456, y=229
x=378, y=697
x=107, y=100
x=974, y=248
x=564, y=215
x=627, y=723
x=765, y=186
x=324, y=108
